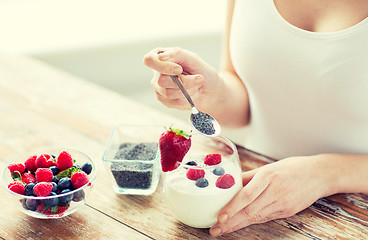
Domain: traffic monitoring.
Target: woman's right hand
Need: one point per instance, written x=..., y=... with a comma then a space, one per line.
x=199, y=78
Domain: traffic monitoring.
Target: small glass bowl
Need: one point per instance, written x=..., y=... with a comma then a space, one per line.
x=132, y=159
x=32, y=205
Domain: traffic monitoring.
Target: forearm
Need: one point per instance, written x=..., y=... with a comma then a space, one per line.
x=344, y=173
x=231, y=105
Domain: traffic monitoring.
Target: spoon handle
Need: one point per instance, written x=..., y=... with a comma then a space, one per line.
x=177, y=80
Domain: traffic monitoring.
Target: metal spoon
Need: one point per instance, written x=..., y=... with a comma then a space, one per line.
x=202, y=122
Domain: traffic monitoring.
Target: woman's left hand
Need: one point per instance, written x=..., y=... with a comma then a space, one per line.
x=274, y=191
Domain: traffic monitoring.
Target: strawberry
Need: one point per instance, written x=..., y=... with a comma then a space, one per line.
x=30, y=163
x=28, y=178
x=225, y=181
x=16, y=167
x=44, y=175
x=194, y=174
x=42, y=189
x=174, y=144
x=44, y=161
x=17, y=187
x=212, y=159
x=64, y=161
x=51, y=210
x=79, y=179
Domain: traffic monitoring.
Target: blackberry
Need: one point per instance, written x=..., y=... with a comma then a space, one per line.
x=191, y=163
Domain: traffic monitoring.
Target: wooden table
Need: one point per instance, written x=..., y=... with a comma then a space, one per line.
x=42, y=106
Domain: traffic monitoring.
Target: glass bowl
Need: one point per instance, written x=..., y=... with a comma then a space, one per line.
x=196, y=198
x=59, y=205
x=132, y=159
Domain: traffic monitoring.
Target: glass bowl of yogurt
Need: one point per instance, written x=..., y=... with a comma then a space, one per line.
x=206, y=180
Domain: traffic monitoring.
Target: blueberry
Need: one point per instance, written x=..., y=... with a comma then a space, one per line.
x=78, y=196
x=54, y=187
x=29, y=189
x=87, y=168
x=51, y=202
x=67, y=198
x=219, y=171
x=191, y=163
x=201, y=182
x=55, y=170
x=30, y=204
x=64, y=183
x=55, y=180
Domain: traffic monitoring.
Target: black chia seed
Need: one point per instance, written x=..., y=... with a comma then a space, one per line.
x=203, y=123
x=136, y=175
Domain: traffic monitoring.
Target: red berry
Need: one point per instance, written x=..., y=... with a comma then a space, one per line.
x=212, y=159
x=79, y=179
x=48, y=211
x=17, y=187
x=17, y=167
x=30, y=163
x=44, y=161
x=225, y=181
x=28, y=178
x=44, y=175
x=174, y=144
x=64, y=161
x=42, y=189
x=194, y=174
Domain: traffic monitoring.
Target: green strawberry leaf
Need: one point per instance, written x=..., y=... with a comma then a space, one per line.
x=67, y=172
x=54, y=209
x=16, y=176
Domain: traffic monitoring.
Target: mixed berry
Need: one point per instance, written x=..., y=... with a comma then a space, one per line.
x=47, y=175
x=198, y=174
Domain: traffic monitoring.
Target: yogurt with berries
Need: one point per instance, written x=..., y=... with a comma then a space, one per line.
x=200, y=187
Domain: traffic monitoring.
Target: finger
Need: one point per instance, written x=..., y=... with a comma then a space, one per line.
x=179, y=103
x=248, y=175
x=188, y=81
x=243, y=224
x=154, y=61
x=174, y=93
x=243, y=198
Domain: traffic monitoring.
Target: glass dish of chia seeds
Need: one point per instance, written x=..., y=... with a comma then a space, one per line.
x=132, y=159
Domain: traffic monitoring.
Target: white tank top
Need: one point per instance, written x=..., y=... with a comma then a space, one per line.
x=308, y=91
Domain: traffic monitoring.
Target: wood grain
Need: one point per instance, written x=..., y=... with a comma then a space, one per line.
x=42, y=106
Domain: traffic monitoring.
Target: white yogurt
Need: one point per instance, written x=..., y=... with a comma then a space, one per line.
x=195, y=206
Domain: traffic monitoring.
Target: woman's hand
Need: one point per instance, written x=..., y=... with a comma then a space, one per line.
x=277, y=190
x=200, y=79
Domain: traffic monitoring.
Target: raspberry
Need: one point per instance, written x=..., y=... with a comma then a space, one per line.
x=194, y=174
x=42, y=189
x=28, y=178
x=44, y=175
x=212, y=159
x=79, y=179
x=30, y=163
x=225, y=181
x=16, y=167
x=44, y=161
x=64, y=161
x=17, y=187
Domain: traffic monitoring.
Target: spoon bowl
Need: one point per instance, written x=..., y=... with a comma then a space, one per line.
x=202, y=122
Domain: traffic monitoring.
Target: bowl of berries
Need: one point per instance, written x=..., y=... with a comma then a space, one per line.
x=50, y=182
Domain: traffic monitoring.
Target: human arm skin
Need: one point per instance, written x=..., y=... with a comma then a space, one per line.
x=286, y=187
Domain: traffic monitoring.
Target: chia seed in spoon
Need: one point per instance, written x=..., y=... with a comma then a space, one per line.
x=203, y=123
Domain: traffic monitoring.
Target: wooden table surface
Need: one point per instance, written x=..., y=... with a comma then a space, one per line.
x=41, y=106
